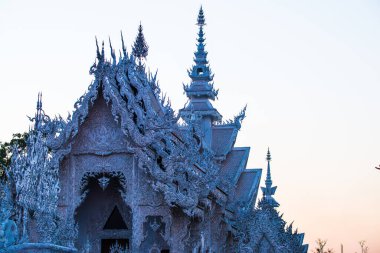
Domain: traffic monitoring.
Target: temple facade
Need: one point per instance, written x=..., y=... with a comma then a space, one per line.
x=125, y=173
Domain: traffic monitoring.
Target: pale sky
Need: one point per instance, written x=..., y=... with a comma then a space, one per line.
x=309, y=71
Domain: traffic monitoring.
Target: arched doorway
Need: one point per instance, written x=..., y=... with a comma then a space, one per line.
x=104, y=219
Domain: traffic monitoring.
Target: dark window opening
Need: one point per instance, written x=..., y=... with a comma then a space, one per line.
x=165, y=251
x=134, y=90
x=160, y=164
x=176, y=185
x=200, y=71
x=197, y=139
x=115, y=221
x=141, y=102
x=141, y=130
x=106, y=244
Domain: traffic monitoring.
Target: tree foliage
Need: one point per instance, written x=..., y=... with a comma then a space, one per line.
x=363, y=246
x=18, y=140
x=321, y=244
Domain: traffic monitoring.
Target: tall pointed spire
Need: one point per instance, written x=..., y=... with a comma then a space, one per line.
x=268, y=190
x=140, y=47
x=268, y=180
x=200, y=73
x=201, y=89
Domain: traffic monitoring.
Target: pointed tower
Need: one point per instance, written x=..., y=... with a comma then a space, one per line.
x=268, y=190
x=201, y=89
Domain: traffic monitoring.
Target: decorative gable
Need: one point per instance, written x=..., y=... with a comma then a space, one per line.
x=100, y=133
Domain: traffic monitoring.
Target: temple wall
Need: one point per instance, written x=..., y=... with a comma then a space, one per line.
x=101, y=152
x=97, y=177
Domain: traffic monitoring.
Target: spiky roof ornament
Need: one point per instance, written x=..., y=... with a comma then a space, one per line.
x=140, y=47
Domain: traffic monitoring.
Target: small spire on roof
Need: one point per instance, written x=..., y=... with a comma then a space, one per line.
x=268, y=190
x=268, y=180
x=140, y=47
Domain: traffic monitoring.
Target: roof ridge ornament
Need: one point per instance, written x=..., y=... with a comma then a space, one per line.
x=112, y=52
x=99, y=55
x=140, y=47
x=123, y=45
x=38, y=115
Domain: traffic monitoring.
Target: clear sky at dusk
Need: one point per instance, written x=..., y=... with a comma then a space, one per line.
x=309, y=71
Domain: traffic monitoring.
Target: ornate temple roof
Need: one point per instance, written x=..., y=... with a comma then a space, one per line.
x=149, y=122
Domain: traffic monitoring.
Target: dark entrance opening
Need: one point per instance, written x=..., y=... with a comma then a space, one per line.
x=108, y=243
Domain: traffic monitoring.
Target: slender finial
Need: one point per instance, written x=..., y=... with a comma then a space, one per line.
x=268, y=180
x=123, y=45
x=39, y=102
x=98, y=55
x=201, y=17
x=109, y=40
x=103, y=49
x=38, y=116
x=112, y=51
